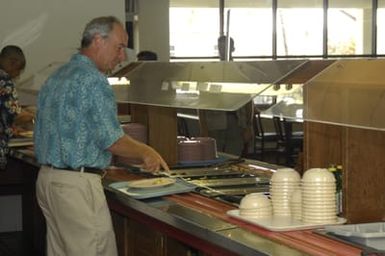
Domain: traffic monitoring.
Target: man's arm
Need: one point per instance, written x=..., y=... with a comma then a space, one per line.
x=128, y=147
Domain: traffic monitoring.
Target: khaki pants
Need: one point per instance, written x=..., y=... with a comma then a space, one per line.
x=76, y=212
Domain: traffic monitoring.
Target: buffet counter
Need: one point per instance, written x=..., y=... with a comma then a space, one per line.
x=178, y=224
x=202, y=224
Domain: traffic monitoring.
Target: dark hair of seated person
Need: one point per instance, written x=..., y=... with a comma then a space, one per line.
x=147, y=55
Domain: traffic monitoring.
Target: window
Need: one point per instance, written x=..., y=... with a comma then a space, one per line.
x=251, y=28
x=349, y=27
x=381, y=27
x=195, y=27
x=194, y=30
x=299, y=28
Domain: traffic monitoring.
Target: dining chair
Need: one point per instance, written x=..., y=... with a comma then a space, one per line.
x=289, y=143
x=261, y=138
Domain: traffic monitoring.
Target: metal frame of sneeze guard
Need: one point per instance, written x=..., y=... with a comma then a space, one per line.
x=349, y=93
x=223, y=86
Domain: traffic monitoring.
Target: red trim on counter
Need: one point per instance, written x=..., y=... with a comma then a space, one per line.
x=303, y=240
x=168, y=230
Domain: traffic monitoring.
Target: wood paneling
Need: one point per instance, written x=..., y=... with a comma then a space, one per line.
x=161, y=123
x=362, y=155
x=162, y=127
x=143, y=240
x=365, y=175
x=322, y=145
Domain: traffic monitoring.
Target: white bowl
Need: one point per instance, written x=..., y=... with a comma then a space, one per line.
x=315, y=188
x=281, y=194
x=285, y=183
x=319, y=208
x=254, y=200
x=318, y=185
x=312, y=195
x=284, y=188
x=318, y=192
x=318, y=202
x=320, y=175
x=281, y=201
x=286, y=175
x=318, y=197
x=296, y=196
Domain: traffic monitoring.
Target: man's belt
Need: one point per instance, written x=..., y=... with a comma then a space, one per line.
x=98, y=171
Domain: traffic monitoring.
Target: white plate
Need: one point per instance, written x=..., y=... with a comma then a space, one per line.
x=151, y=183
x=280, y=223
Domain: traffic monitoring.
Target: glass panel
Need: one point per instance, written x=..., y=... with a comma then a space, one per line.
x=194, y=30
x=349, y=93
x=201, y=85
x=381, y=27
x=299, y=27
x=349, y=27
x=246, y=17
x=290, y=101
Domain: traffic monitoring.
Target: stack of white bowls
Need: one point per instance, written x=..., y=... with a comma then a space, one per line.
x=296, y=204
x=282, y=184
x=318, y=197
x=255, y=205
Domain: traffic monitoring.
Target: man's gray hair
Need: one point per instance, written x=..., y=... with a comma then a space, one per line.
x=99, y=26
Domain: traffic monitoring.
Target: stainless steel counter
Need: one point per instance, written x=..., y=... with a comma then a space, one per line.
x=203, y=225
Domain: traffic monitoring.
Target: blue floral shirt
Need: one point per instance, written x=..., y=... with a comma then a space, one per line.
x=9, y=108
x=76, y=117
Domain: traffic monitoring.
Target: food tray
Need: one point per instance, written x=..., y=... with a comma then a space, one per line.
x=368, y=234
x=180, y=186
x=280, y=223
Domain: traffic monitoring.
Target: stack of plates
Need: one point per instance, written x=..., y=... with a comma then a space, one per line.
x=283, y=183
x=318, y=197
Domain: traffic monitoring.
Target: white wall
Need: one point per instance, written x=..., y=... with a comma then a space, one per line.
x=49, y=31
x=152, y=28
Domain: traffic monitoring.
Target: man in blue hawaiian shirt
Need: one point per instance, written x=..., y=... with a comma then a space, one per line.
x=12, y=63
x=76, y=133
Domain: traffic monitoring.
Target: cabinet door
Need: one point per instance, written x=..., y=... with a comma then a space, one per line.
x=176, y=248
x=120, y=227
x=136, y=239
x=143, y=240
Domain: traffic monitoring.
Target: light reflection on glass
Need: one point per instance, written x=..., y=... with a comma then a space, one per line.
x=183, y=87
x=118, y=81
